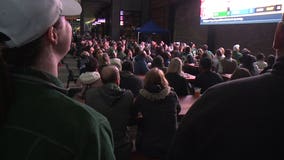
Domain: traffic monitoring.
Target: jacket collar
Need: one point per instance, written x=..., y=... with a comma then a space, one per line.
x=155, y=96
x=32, y=76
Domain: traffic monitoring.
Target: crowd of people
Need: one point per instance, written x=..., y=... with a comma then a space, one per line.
x=125, y=84
x=154, y=98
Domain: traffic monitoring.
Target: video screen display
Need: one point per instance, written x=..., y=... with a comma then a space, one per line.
x=215, y=12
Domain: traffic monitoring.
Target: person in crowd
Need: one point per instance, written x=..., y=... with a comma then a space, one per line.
x=188, y=56
x=176, y=52
x=270, y=62
x=38, y=120
x=190, y=65
x=158, y=107
x=104, y=60
x=207, y=51
x=260, y=61
x=193, y=48
x=129, y=54
x=237, y=55
x=128, y=80
x=219, y=55
x=199, y=53
x=207, y=76
x=82, y=60
x=248, y=61
x=240, y=72
x=140, y=64
x=121, y=52
x=176, y=79
x=90, y=78
x=242, y=128
x=116, y=104
x=227, y=65
x=160, y=50
x=158, y=62
x=114, y=60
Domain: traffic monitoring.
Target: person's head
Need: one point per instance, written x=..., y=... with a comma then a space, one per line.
x=187, y=49
x=189, y=59
x=158, y=61
x=219, y=52
x=128, y=66
x=191, y=44
x=205, y=47
x=128, y=52
x=155, y=78
x=35, y=29
x=110, y=74
x=228, y=53
x=175, y=66
x=236, y=48
x=92, y=64
x=248, y=60
x=246, y=51
x=222, y=50
x=260, y=57
x=205, y=64
x=32, y=33
x=105, y=60
x=270, y=59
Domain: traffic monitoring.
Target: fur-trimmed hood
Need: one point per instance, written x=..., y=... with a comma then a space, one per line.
x=155, y=95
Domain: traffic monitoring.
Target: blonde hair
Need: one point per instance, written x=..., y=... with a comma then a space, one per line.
x=175, y=66
x=155, y=76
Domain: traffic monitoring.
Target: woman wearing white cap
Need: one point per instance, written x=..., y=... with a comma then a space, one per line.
x=38, y=120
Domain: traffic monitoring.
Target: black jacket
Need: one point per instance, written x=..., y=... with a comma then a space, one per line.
x=116, y=105
x=158, y=125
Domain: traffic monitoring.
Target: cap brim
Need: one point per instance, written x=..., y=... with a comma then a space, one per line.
x=70, y=8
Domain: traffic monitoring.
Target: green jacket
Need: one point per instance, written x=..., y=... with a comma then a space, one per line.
x=44, y=124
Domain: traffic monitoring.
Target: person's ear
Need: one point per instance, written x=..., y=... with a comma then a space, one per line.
x=52, y=35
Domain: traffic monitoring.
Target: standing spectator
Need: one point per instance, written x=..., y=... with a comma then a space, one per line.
x=158, y=106
x=38, y=120
x=237, y=126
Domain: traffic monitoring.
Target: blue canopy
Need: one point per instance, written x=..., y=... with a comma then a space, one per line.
x=151, y=27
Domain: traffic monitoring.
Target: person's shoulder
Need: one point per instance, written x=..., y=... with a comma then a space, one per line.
x=173, y=93
x=68, y=107
x=127, y=92
x=239, y=86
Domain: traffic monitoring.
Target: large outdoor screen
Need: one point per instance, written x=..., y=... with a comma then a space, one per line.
x=214, y=12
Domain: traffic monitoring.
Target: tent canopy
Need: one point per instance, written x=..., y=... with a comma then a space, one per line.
x=151, y=27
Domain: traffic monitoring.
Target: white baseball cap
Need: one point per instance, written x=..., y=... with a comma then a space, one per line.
x=26, y=20
x=236, y=47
